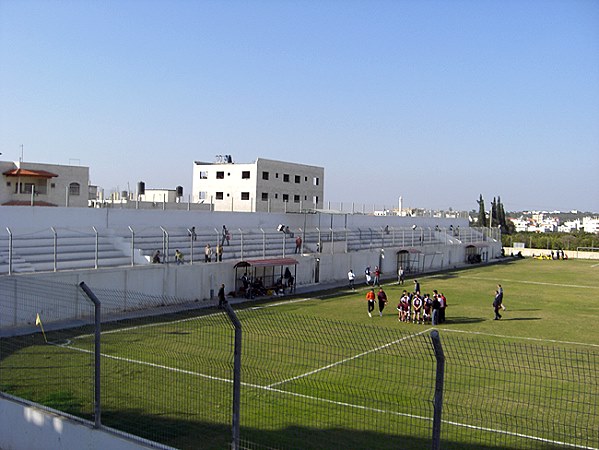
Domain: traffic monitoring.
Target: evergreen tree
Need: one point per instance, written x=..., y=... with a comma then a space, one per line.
x=494, y=219
x=482, y=215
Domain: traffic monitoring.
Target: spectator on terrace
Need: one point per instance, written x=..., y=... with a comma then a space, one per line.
x=179, y=259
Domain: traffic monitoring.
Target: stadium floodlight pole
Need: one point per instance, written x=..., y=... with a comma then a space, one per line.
x=236, y=377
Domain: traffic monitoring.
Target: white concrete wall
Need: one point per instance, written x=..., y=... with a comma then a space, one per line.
x=25, y=427
x=37, y=218
x=529, y=252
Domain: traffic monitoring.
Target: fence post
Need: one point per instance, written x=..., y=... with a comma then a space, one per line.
x=9, y=251
x=96, y=247
x=235, y=437
x=97, y=354
x=55, y=240
x=438, y=399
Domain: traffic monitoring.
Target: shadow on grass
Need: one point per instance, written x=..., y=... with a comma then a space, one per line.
x=462, y=320
x=189, y=434
x=520, y=318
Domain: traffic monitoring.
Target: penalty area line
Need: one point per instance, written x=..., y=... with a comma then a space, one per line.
x=524, y=338
x=269, y=388
x=343, y=361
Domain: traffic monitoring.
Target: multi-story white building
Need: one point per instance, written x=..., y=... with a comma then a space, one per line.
x=264, y=185
x=26, y=183
x=590, y=224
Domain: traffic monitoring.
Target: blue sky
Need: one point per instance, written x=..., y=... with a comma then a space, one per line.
x=434, y=101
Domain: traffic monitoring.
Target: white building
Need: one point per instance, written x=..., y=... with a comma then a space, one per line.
x=264, y=185
x=26, y=183
x=590, y=224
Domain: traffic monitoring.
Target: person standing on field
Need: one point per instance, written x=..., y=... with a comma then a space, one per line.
x=370, y=297
x=382, y=297
x=351, y=277
x=400, y=275
x=222, y=300
x=377, y=276
x=497, y=304
x=500, y=293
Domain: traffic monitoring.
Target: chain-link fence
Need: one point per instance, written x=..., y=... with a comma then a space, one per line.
x=304, y=381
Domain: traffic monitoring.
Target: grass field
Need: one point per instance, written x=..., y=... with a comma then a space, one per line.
x=319, y=373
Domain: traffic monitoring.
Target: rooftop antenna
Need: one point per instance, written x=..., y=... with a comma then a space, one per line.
x=21, y=157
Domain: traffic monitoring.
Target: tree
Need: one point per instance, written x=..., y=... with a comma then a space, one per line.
x=482, y=215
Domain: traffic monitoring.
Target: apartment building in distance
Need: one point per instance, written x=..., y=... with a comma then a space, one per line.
x=39, y=184
x=265, y=185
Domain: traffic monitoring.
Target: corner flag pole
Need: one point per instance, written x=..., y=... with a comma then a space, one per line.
x=38, y=323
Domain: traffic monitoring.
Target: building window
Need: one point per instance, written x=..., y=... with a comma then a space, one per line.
x=265, y=196
x=265, y=175
x=202, y=195
x=276, y=175
x=219, y=196
x=285, y=197
x=220, y=175
x=276, y=196
x=52, y=185
x=26, y=188
x=286, y=178
x=315, y=199
x=316, y=181
x=74, y=189
x=8, y=183
x=245, y=196
x=305, y=178
x=203, y=175
x=298, y=179
x=296, y=199
x=245, y=175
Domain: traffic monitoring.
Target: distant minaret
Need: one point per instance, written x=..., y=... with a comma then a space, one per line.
x=400, y=205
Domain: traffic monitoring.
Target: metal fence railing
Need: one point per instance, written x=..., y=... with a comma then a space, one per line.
x=54, y=249
x=257, y=378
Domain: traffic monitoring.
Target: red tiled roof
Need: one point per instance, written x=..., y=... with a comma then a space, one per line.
x=27, y=203
x=29, y=173
x=267, y=262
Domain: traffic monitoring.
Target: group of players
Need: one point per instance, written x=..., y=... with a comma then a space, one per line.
x=417, y=308
x=413, y=306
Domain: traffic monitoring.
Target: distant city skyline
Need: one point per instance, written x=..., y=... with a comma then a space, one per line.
x=436, y=102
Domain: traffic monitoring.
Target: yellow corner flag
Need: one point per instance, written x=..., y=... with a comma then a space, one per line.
x=38, y=323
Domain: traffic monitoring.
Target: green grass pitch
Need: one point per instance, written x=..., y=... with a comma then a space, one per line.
x=318, y=372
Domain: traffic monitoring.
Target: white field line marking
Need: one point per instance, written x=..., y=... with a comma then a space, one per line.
x=552, y=341
x=157, y=324
x=540, y=283
x=148, y=325
x=320, y=369
x=270, y=305
x=595, y=265
x=335, y=402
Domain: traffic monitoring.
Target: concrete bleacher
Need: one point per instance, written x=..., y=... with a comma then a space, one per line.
x=61, y=249
x=67, y=249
